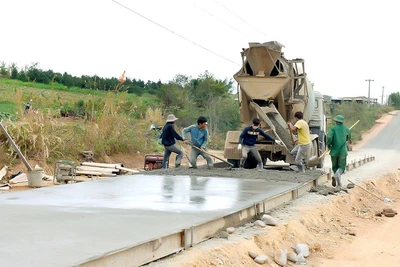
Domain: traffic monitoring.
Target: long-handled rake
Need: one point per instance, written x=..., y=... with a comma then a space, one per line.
x=386, y=199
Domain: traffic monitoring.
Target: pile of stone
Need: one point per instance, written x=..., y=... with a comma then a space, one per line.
x=283, y=256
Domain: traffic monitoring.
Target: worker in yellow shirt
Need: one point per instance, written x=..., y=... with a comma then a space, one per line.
x=299, y=152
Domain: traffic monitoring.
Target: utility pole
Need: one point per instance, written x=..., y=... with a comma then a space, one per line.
x=383, y=90
x=369, y=89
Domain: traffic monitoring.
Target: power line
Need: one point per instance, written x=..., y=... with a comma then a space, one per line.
x=220, y=20
x=240, y=18
x=177, y=34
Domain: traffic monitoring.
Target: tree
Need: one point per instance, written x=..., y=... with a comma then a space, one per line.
x=173, y=97
x=67, y=80
x=14, y=71
x=394, y=100
x=22, y=76
x=3, y=69
x=206, y=86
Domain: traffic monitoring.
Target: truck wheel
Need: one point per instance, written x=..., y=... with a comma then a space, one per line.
x=251, y=162
x=235, y=162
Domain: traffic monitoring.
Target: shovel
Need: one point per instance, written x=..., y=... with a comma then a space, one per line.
x=314, y=161
x=230, y=164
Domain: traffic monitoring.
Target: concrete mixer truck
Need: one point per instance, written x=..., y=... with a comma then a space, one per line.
x=273, y=88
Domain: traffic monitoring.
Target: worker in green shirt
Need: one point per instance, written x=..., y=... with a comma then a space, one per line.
x=337, y=138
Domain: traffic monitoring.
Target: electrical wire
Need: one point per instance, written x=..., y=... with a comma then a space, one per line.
x=240, y=18
x=177, y=34
x=220, y=20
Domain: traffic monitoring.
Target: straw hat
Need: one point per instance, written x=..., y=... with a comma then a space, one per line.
x=339, y=118
x=171, y=118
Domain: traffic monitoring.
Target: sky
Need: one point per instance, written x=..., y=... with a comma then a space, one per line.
x=343, y=43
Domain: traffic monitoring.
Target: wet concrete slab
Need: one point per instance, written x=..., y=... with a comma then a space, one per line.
x=67, y=225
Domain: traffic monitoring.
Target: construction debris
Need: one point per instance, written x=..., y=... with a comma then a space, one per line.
x=116, y=168
x=5, y=187
x=66, y=171
x=3, y=172
x=19, y=178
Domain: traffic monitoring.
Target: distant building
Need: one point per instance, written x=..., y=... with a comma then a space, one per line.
x=355, y=99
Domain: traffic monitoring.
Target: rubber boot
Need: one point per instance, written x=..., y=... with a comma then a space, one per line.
x=260, y=167
x=339, y=182
x=339, y=178
x=336, y=178
x=301, y=168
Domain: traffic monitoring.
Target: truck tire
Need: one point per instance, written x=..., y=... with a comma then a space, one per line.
x=251, y=162
x=235, y=162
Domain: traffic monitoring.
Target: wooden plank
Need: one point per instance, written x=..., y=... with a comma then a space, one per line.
x=101, y=165
x=127, y=170
x=78, y=172
x=140, y=254
x=97, y=169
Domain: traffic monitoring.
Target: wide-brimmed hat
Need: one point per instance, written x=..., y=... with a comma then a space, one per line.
x=171, y=118
x=339, y=118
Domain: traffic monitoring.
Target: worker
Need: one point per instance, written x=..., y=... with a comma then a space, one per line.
x=337, y=138
x=247, y=142
x=168, y=137
x=198, y=141
x=299, y=152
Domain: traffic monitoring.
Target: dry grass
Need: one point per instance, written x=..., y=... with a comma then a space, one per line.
x=46, y=138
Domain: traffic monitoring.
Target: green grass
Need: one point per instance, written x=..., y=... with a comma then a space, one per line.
x=55, y=86
x=353, y=112
x=7, y=107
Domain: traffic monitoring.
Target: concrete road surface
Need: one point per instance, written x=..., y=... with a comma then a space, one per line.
x=69, y=224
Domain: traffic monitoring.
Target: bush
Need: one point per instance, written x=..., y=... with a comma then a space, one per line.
x=353, y=112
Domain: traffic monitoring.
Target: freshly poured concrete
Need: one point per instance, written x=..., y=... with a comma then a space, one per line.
x=69, y=224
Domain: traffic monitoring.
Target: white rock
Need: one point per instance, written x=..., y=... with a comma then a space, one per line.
x=259, y=223
x=300, y=259
x=281, y=257
x=253, y=254
x=230, y=230
x=291, y=256
x=303, y=249
x=269, y=220
x=261, y=259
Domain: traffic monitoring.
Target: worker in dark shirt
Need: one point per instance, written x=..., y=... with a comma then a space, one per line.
x=168, y=137
x=247, y=142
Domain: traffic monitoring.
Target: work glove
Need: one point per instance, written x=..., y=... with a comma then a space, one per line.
x=239, y=146
x=278, y=142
